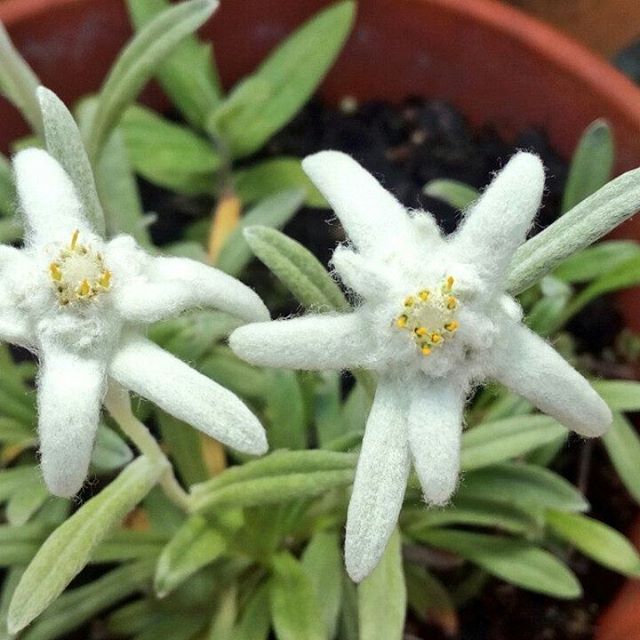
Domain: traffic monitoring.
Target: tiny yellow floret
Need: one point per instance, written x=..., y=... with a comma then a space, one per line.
x=74, y=239
x=448, y=285
x=452, y=302
x=409, y=301
x=424, y=295
x=436, y=338
x=55, y=272
x=84, y=289
x=452, y=326
x=425, y=349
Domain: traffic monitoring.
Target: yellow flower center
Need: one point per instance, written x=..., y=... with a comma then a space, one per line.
x=78, y=273
x=430, y=316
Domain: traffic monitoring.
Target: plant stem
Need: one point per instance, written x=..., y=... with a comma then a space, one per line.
x=118, y=404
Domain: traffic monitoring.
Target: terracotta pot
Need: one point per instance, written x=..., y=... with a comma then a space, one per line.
x=491, y=61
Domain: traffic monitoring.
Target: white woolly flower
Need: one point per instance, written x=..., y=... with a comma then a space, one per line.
x=433, y=321
x=81, y=303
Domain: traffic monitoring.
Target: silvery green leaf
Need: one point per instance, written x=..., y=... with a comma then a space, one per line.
x=274, y=211
x=493, y=442
x=75, y=607
x=15, y=432
x=26, y=500
x=268, y=177
x=11, y=480
x=18, y=82
x=620, y=395
x=455, y=193
x=69, y=548
x=286, y=419
x=194, y=546
x=330, y=422
x=623, y=446
x=382, y=596
x=597, y=540
x=168, y=154
x=268, y=99
x=297, y=268
x=10, y=582
x=295, y=609
x=188, y=75
x=139, y=61
x=515, y=561
x=322, y=562
x=255, y=619
x=8, y=196
x=429, y=599
x=592, y=164
x=110, y=452
x=587, y=222
x=64, y=143
x=10, y=230
x=223, y=620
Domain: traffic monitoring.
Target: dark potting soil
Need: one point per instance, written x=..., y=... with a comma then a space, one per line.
x=406, y=146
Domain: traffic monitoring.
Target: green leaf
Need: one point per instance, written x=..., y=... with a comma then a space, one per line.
x=502, y=440
x=522, y=484
x=592, y=262
x=429, y=599
x=620, y=395
x=322, y=562
x=285, y=412
x=297, y=268
x=188, y=75
x=515, y=561
x=597, y=540
x=479, y=512
x=625, y=275
x=255, y=619
x=295, y=610
x=194, y=546
x=75, y=607
x=382, y=596
x=8, y=196
x=64, y=143
x=623, y=446
x=110, y=452
x=11, y=480
x=274, y=211
x=330, y=422
x=26, y=500
x=10, y=230
x=14, y=432
x=10, y=582
x=456, y=194
x=168, y=154
x=18, y=82
x=587, y=222
x=271, y=176
x=225, y=615
x=267, y=100
x=139, y=61
x=69, y=548
x=591, y=166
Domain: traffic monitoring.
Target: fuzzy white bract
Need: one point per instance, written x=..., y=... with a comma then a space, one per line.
x=432, y=320
x=81, y=304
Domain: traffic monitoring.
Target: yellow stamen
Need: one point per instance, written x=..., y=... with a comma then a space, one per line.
x=55, y=272
x=408, y=301
x=105, y=279
x=436, y=338
x=452, y=302
x=74, y=239
x=84, y=289
x=425, y=349
x=424, y=295
x=401, y=322
x=452, y=326
x=421, y=332
x=448, y=285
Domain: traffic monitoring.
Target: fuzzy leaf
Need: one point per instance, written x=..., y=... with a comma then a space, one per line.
x=110, y=452
x=620, y=395
x=623, y=446
x=268, y=99
x=592, y=164
x=139, y=61
x=297, y=268
x=285, y=412
x=515, y=561
x=69, y=548
x=382, y=596
x=456, y=194
x=587, y=222
x=194, y=546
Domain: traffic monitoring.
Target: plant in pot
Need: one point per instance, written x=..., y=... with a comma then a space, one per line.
x=193, y=540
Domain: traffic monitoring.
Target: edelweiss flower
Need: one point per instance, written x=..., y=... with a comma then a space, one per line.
x=81, y=303
x=433, y=321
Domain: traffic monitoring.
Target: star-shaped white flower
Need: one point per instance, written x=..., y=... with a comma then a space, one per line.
x=433, y=321
x=81, y=304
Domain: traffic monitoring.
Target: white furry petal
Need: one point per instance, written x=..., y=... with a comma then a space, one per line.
x=48, y=199
x=497, y=225
x=323, y=341
x=435, y=428
x=526, y=364
x=363, y=276
x=173, y=285
x=372, y=218
x=14, y=328
x=70, y=392
x=380, y=481
x=151, y=372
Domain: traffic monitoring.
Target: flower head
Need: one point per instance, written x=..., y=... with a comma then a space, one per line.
x=433, y=320
x=80, y=303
